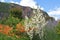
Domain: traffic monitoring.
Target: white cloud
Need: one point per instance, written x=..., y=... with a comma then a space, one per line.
x=2, y=0
x=13, y=2
x=30, y=3
x=55, y=13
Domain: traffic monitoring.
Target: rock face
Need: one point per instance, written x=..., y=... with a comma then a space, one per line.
x=51, y=24
x=3, y=15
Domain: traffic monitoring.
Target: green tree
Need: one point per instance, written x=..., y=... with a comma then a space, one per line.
x=58, y=28
x=16, y=12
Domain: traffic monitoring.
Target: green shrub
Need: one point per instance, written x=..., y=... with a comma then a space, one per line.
x=52, y=34
x=11, y=21
x=5, y=37
x=16, y=12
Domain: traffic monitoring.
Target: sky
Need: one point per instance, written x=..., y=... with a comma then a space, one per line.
x=52, y=7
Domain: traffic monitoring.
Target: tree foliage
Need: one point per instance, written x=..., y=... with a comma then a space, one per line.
x=58, y=28
x=16, y=12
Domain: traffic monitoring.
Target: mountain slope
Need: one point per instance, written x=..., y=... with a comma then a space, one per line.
x=26, y=11
x=5, y=8
x=29, y=12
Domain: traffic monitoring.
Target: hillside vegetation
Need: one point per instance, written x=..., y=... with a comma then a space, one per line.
x=12, y=24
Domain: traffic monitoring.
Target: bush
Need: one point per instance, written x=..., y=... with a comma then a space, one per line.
x=5, y=37
x=11, y=21
x=52, y=34
x=16, y=12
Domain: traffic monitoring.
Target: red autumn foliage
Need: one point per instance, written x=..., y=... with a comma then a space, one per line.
x=20, y=27
x=5, y=29
x=1, y=28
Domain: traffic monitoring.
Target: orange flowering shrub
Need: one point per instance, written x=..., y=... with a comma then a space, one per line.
x=1, y=28
x=20, y=27
x=5, y=29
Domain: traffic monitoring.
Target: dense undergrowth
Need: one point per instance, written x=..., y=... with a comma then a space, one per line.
x=12, y=27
